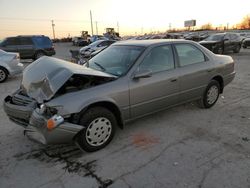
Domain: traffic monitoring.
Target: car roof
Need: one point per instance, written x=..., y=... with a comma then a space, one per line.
x=146, y=43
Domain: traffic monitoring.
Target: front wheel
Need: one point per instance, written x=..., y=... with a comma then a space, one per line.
x=210, y=95
x=99, y=129
x=3, y=74
x=220, y=50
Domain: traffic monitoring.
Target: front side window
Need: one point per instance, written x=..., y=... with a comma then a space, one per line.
x=189, y=54
x=115, y=60
x=216, y=37
x=42, y=41
x=158, y=59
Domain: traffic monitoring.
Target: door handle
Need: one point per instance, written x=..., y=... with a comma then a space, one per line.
x=173, y=80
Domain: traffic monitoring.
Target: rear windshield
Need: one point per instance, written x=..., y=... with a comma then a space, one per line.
x=214, y=38
x=42, y=41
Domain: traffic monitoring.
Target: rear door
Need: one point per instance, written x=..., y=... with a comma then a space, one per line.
x=26, y=47
x=158, y=91
x=227, y=43
x=195, y=71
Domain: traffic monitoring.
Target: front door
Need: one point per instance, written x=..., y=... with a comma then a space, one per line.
x=159, y=90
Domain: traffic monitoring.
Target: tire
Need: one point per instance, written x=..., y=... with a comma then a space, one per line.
x=237, y=49
x=39, y=54
x=220, y=50
x=3, y=74
x=210, y=95
x=100, y=124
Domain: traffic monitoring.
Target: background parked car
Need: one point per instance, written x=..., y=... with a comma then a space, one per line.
x=246, y=43
x=100, y=44
x=29, y=46
x=223, y=42
x=9, y=65
x=79, y=41
x=97, y=37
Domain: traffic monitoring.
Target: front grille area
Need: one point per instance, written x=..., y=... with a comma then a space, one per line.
x=36, y=120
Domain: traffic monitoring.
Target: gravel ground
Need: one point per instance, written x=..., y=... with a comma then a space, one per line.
x=181, y=147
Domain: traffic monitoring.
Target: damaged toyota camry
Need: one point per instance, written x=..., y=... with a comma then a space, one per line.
x=61, y=102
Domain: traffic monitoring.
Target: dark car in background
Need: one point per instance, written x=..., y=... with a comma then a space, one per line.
x=246, y=43
x=221, y=43
x=29, y=46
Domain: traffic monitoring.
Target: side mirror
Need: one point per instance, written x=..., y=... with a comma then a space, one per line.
x=143, y=74
x=226, y=40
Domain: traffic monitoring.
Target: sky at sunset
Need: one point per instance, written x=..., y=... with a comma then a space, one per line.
x=134, y=16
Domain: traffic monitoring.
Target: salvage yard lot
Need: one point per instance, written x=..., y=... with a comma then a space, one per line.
x=184, y=146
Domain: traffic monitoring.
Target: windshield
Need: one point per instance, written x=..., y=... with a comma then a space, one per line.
x=214, y=38
x=93, y=44
x=115, y=60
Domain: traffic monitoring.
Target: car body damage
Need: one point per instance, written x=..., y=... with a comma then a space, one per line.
x=60, y=102
x=44, y=77
x=43, y=81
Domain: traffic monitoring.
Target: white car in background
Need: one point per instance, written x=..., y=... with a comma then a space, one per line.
x=97, y=45
x=9, y=65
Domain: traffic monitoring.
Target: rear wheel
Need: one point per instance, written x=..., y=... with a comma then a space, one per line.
x=3, y=74
x=237, y=49
x=39, y=54
x=99, y=129
x=210, y=95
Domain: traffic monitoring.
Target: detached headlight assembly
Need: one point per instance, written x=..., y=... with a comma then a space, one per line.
x=49, y=110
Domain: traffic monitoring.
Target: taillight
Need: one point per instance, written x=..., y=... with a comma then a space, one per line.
x=17, y=56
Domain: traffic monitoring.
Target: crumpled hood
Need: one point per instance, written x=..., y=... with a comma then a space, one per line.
x=45, y=76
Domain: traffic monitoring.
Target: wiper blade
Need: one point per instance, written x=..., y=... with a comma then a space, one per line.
x=99, y=65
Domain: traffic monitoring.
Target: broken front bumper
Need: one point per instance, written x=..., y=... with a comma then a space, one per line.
x=37, y=130
x=19, y=108
x=23, y=111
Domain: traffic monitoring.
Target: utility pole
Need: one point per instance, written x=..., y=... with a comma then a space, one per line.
x=118, y=27
x=96, y=28
x=53, y=28
x=91, y=22
x=169, y=26
x=227, y=26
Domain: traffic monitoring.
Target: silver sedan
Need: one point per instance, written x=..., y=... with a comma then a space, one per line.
x=59, y=102
x=9, y=65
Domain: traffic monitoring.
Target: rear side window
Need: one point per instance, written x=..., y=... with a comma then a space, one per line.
x=42, y=41
x=25, y=41
x=189, y=54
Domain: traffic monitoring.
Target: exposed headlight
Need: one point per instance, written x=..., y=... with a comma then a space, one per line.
x=52, y=110
x=42, y=108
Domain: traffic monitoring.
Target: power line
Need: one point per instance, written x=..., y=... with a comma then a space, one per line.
x=39, y=19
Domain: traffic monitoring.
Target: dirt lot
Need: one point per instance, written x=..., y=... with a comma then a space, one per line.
x=180, y=147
